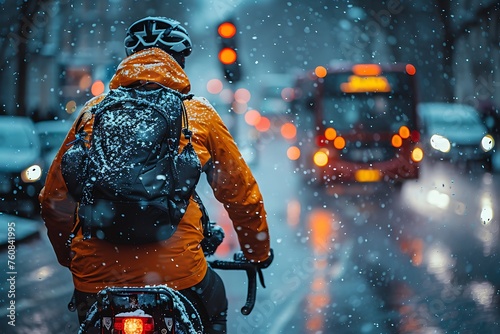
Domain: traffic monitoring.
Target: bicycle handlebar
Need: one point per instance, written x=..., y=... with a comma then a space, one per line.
x=252, y=270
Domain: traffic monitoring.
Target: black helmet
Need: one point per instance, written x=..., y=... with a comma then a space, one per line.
x=161, y=32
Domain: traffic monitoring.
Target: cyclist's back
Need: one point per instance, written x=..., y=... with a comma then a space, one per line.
x=156, y=49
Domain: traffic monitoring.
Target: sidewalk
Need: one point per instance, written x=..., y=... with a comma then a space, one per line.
x=20, y=228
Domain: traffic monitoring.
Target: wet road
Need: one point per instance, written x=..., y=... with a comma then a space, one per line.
x=419, y=260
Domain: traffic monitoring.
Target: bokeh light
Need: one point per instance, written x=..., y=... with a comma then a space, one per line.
x=320, y=71
x=288, y=94
x=70, y=107
x=330, y=133
x=410, y=69
x=97, y=88
x=214, y=86
x=263, y=125
x=85, y=82
x=288, y=130
x=252, y=117
x=242, y=95
x=293, y=153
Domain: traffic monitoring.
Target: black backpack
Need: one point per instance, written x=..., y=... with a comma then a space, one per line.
x=132, y=184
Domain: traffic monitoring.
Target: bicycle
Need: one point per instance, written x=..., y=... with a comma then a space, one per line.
x=160, y=309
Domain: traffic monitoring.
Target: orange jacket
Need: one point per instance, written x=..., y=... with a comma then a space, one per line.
x=179, y=261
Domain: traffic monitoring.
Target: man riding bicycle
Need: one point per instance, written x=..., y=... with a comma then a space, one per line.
x=156, y=48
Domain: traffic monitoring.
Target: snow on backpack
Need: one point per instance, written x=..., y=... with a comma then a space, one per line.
x=132, y=184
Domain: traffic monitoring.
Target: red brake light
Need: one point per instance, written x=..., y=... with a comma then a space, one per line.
x=415, y=136
x=339, y=143
x=410, y=69
x=134, y=325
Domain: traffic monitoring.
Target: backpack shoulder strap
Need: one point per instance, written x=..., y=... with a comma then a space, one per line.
x=83, y=119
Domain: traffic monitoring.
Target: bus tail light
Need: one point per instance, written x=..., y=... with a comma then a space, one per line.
x=330, y=133
x=320, y=158
x=397, y=141
x=404, y=132
x=339, y=143
x=134, y=325
x=417, y=154
x=415, y=136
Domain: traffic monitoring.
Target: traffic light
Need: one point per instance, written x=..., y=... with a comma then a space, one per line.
x=228, y=50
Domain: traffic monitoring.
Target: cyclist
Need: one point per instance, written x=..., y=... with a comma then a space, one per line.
x=156, y=48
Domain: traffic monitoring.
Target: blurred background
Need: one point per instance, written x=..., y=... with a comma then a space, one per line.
x=54, y=52
x=388, y=227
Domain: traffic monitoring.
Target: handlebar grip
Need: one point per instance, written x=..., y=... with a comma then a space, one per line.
x=251, y=293
x=251, y=271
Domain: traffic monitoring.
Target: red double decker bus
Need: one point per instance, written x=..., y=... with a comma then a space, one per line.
x=357, y=123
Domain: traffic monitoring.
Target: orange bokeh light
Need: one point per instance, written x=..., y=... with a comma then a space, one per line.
x=397, y=141
x=288, y=131
x=263, y=125
x=227, y=30
x=404, y=132
x=293, y=153
x=320, y=71
x=339, y=143
x=366, y=69
x=97, y=88
x=330, y=133
x=227, y=56
x=252, y=117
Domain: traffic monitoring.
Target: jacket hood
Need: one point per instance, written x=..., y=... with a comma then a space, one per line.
x=152, y=64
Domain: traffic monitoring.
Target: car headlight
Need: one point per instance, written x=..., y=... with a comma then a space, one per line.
x=487, y=143
x=31, y=174
x=440, y=143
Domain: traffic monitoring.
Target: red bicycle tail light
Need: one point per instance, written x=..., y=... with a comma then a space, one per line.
x=134, y=325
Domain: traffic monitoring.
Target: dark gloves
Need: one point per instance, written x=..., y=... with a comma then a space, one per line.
x=214, y=235
x=267, y=262
x=261, y=265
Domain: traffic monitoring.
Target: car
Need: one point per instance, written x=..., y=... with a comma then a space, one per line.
x=21, y=166
x=454, y=132
x=52, y=134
